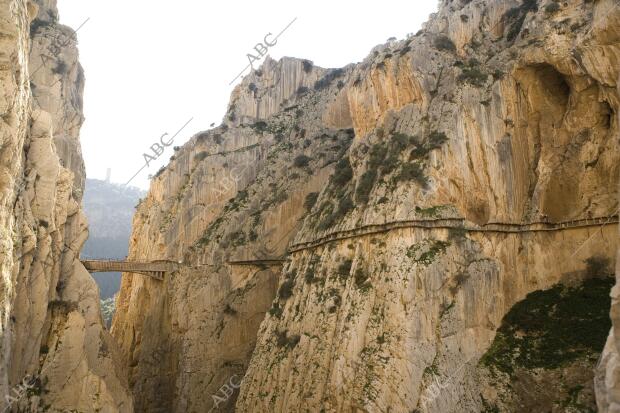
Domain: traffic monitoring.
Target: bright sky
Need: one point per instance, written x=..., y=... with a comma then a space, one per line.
x=152, y=65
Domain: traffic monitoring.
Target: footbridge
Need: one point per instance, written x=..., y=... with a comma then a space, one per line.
x=154, y=269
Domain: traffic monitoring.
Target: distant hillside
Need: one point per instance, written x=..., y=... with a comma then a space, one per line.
x=109, y=208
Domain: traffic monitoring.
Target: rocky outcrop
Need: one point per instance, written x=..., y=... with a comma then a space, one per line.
x=52, y=334
x=607, y=381
x=418, y=202
x=231, y=194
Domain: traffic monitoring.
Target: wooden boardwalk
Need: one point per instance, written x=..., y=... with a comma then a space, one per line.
x=269, y=262
x=154, y=269
x=454, y=223
x=157, y=269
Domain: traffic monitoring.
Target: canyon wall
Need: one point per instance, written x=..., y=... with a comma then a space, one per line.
x=374, y=238
x=53, y=340
x=607, y=380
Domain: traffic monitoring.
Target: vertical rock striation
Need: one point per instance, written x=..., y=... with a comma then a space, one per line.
x=374, y=238
x=52, y=333
x=607, y=381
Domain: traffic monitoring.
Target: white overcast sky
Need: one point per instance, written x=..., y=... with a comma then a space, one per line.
x=152, y=65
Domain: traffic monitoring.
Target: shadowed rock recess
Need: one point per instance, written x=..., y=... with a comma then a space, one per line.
x=446, y=213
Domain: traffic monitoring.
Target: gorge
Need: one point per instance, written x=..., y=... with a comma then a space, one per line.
x=433, y=229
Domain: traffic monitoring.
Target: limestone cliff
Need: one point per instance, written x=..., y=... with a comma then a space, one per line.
x=374, y=238
x=607, y=381
x=53, y=340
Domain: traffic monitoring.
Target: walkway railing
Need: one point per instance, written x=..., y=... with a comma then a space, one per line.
x=454, y=223
x=155, y=269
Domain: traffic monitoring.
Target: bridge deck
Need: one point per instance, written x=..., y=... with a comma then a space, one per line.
x=155, y=269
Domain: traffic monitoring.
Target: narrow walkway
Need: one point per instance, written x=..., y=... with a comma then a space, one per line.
x=454, y=223
x=267, y=262
x=154, y=269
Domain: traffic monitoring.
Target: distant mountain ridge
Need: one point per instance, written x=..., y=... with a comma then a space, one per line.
x=109, y=208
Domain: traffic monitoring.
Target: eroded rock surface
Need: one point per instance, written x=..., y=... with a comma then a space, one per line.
x=414, y=199
x=52, y=334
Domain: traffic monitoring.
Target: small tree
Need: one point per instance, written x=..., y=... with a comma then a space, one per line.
x=310, y=201
x=444, y=43
x=301, y=161
x=307, y=66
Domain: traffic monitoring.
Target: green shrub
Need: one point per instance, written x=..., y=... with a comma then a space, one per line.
x=160, y=171
x=281, y=338
x=515, y=17
x=286, y=289
x=390, y=164
x=426, y=258
x=327, y=79
x=301, y=161
x=552, y=8
x=498, y=74
x=326, y=211
x=260, y=126
x=412, y=172
x=553, y=327
x=419, y=152
x=345, y=268
x=473, y=76
x=432, y=212
x=310, y=201
x=331, y=217
x=401, y=141
x=343, y=173
x=443, y=42
x=364, y=187
x=405, y=50
x=275, y=310
x=237, y=238
x=284, y=340
x=437, y=139
x=376, y=156
x=307, y=66
x=344, y=206
x=457, y=233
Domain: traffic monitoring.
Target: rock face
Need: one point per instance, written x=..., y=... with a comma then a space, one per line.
x=607, y=382
x=422, y=203
x=51, y=328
